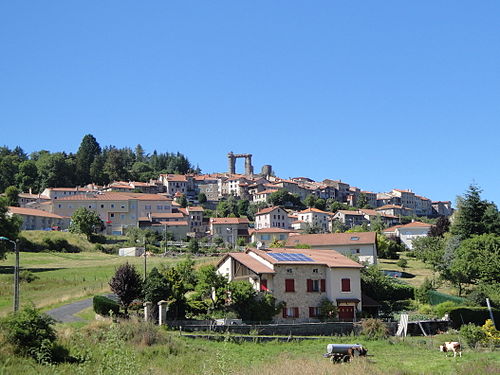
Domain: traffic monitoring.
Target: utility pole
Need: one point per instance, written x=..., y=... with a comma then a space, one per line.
x=145, y=266
x=16, y=273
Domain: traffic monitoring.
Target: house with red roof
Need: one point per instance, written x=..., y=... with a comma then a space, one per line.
x=363, y=245
x=408, y=232
x=229, y=229
x=300, y=279
x=272, y=217
x=266, y=236
x=34, y=219
x=316, y=218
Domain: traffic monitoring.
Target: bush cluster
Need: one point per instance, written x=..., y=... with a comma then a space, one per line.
x=103, y=306
x=475, y=315
x=374, y=329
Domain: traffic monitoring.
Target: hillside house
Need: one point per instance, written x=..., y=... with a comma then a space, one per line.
x=360, y=244
x=229, y=229
x=408, y=232
x=272, y=217
x=39, y=220
x=300, y=278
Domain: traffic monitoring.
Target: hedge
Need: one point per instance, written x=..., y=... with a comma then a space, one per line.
x=103, y=305
x=435, y=298
x=476, y=315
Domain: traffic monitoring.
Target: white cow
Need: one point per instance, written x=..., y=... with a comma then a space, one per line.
x=451, y=346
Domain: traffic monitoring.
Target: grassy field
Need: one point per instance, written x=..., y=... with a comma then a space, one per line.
x=416, y=272
x=144, y=349
x=66, y=277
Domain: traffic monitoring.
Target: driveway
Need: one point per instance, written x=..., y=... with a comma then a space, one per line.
x=65, y=313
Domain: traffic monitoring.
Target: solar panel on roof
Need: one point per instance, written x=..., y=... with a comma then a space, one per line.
x=290, y=257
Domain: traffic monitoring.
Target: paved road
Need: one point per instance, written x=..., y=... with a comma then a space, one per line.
x=65, y=313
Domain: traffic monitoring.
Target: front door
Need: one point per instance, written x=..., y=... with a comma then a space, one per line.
x=346, y=313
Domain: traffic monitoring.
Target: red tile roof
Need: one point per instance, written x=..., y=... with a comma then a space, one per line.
x=330, y=258
x=115, y=196
x=249, y=262
x=327, y=239
x=273, y=230
x=174, y=223
x=32, y=212
x=229, y=220
x=312, y=209
x=267, y=210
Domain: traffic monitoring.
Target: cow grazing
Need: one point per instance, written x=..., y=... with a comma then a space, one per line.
x=451, y=346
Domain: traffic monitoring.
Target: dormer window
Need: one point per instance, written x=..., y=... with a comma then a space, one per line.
x=354, y=238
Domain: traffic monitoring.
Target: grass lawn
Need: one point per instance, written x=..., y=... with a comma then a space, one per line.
x=416, y=272
x=141, y=349
x=66, y=277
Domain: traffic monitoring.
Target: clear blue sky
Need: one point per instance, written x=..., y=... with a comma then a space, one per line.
x=380, y=94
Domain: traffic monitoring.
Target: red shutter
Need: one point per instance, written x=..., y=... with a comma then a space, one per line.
x=289, y=285
x=263, y=285
x=309, y=285
x=346, y=285
x=284, y=312
x=311, y=312
x=323, y=285
x=295, y=312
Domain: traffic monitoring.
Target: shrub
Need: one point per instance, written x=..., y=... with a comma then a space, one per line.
x=476, y=315
x=27, y=276
x=103, y=305
x=472, y=334
x=327, y=310
x=444, y=308
x=492, y=335
x=29, y=331
x=422, y=292
x=97, y=238
x=402, y=262
x=374, y=329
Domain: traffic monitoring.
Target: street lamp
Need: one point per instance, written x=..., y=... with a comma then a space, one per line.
x=16, y=273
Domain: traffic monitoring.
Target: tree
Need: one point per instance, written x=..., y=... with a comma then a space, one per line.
x=210, y=288
x=202, y=198
x=9, y=227
x=283, y=197
x=388, y=248
x=156, y=288
x=470, y=213
x=12, y=196
x=87, y=152
x=85, y=221
x=430, y=250
x=310, y=200
x=126, y=284
x=182, y=200
x=251, y=305
x=320, y=204
x=27, y=176
x=55, y=170
x=441, y=227
x=194, y=246
x=377, y=224
x=327, y=310
x=477, y=259
x=28, y=329
x=363, y=201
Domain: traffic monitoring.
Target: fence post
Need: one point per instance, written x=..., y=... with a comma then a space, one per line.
x=147, y=311
x=162, y=313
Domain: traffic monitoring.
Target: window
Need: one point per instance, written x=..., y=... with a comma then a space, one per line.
x=122, y=217
x=112, y=206
x=289, y=285
x=265, y=237
x=315, y=270
x=263, y=285
x=102, y=206
x=122, y=206
x=289, y=270
x=346, y=285
x=59, y=205
x=355, y=251
x=290, y=312
x=317, y=285
x=314, y=312
x=111, y=215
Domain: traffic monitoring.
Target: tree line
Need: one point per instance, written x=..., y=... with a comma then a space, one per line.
x=466, y=252
x=90, y=164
